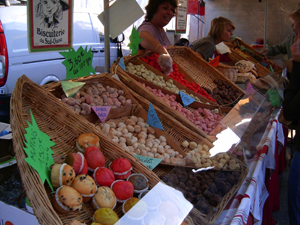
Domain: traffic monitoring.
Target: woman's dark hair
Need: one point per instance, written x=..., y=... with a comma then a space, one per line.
x=152, y=7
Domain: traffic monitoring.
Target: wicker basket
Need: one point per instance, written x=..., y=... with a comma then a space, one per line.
x=105, y=80
x=138, y=61
x=63, y=126
x=198, y=69
x=142, y=91
x=256, y=56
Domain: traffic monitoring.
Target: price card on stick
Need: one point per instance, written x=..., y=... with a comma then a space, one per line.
x=153, y=119
x=150, y=162
x=102, y=112
x=78, y=63
x=186, y=99
x=71, y=88
x=38, y=151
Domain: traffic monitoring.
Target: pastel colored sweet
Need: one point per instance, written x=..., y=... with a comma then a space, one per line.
x=103, y=176
x=62, y=174
x=78, y=162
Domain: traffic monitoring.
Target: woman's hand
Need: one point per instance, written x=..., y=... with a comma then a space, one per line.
x=264, y=52
x=166, y=63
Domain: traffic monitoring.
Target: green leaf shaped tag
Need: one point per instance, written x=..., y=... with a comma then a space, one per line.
x=78, y=63
x=38, y=151
x=135, y=40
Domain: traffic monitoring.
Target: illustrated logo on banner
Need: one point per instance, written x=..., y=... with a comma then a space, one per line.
x=186, y=99
x=135, y=40
x=38, y=151
x=153, y=119
x=102, y=112
x=71, y=88
x=49, y=30
x=78, y=63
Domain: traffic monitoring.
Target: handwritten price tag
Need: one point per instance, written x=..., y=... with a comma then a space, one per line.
x=186, y=99
x=153, y=119
x=102, y=112
x=78, y=63
x=151, y=163
x=135, y=40
x=38, y=151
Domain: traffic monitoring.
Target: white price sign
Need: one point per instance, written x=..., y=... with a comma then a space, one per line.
x=181, y=17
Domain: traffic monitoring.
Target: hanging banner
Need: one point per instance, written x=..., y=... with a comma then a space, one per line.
x=50, y=25
x=181, y=17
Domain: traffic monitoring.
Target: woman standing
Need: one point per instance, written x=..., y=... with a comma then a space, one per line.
x=154, y=38
x=221, y=29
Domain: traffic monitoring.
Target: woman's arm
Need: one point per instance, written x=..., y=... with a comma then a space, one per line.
x=150, y=43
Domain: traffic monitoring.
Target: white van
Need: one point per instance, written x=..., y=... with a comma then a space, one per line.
x=42, y=67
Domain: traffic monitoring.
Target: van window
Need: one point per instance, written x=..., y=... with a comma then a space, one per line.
x=82, y=29
x=98, y=27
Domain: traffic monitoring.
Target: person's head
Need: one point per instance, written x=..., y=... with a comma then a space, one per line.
x=295, y=18
x=162, y=10
x=221, y=29
x=51, y=8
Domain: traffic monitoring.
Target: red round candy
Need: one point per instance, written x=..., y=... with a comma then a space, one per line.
x=123, y=189
x=121, y=168
x=94, y=157
x=104, y=176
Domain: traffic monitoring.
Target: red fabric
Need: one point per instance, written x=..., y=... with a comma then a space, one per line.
x=223, y=58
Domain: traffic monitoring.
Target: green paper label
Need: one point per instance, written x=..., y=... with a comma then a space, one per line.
x=274, y=98
x=151, y=163
x=135, y=40
x=78, y=63
x=271, y=69
x=38, y=151
x=71, y=88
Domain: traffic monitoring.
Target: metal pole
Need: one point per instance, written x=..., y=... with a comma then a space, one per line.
x=106, y=36
x=266, y=24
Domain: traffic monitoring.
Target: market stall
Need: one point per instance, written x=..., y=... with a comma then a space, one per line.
x=212, y=156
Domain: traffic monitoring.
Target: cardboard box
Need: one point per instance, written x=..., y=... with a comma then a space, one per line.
x=10, y=215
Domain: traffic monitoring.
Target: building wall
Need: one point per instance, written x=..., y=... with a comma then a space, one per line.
x=249, y=17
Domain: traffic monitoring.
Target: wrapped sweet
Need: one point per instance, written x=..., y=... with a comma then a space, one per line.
x=104, y=198
x=62, y=174
x=139, y=181
x=121, y=168
x=85, y=185
x=78, y=162
x=122, y=189
x=86, y=140
x=94, y=158
x=67, y=199
x=105, y=216
x=103, y=176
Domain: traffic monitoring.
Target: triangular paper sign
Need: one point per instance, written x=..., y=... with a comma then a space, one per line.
x=186, y=99
x=122, y=64
x=215, y=62
x=102, y=112
x=150, y=162
x=250, y=90
x=153, y=119
x=271, y=69
x=71, y=88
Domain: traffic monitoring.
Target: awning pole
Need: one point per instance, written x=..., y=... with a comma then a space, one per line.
x=106, y=36
x=266, y=24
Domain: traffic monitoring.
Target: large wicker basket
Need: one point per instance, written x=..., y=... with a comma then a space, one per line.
x=256, y=56
x=142, y=91
x=105, y=80
x=198, y=69
x=63, y=126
